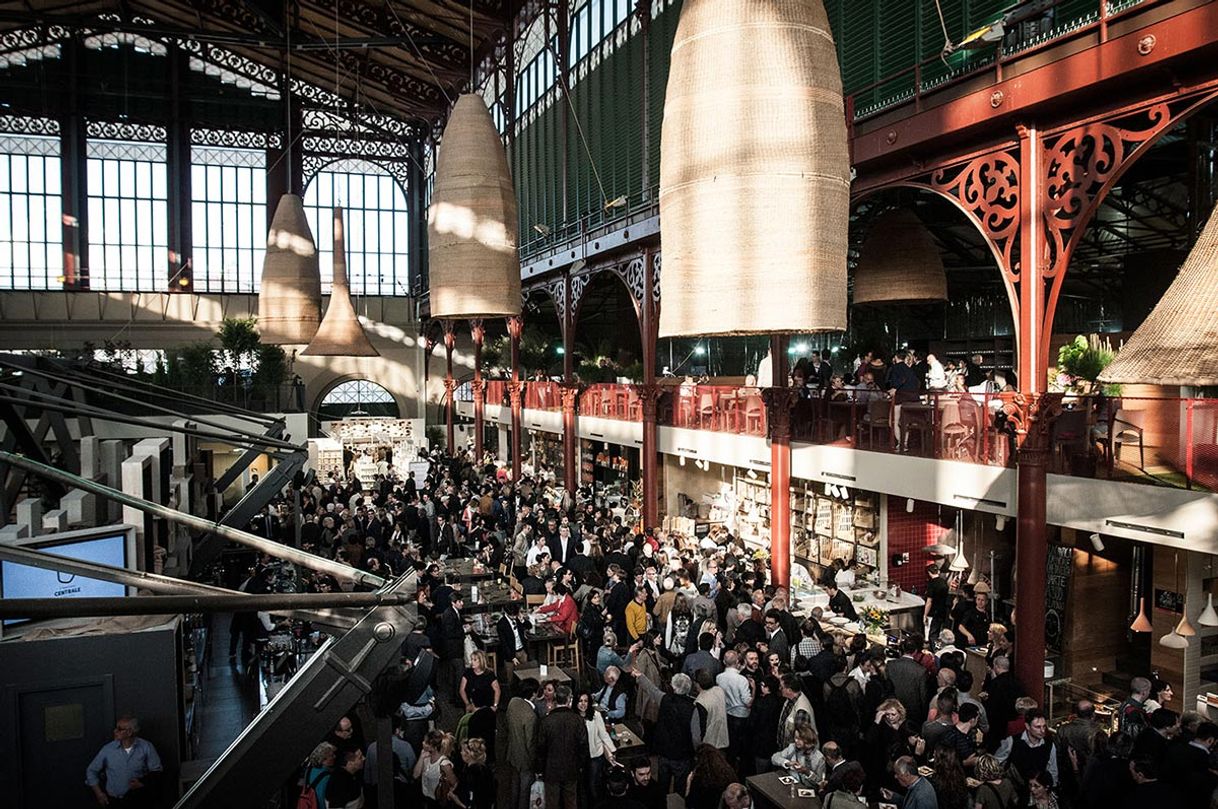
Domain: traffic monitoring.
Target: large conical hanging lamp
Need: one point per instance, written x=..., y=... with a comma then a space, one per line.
x=471, y=224
x=754, y=172
x=340, y=333
x=289, y=301
x=899, y=263
x=1141, y=623
x=1175, y=343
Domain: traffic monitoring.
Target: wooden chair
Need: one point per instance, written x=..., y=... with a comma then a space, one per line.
x=877, y=417
x=1122, y=427
x=534, y=601
x=706, y=410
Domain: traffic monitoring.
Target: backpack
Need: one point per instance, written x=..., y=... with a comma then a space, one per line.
x=308, y=795
x=839, y=708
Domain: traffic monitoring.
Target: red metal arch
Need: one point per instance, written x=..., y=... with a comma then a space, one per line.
x=1008, y=277
x=588, y=278
x=1057, y=273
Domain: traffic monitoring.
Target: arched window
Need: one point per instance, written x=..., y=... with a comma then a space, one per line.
x=376, y=226
x=359, y=397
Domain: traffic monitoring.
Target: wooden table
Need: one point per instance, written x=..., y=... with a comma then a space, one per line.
x=463, y=570
x=491, y=598
x=552, y=673
x=773, y=792
x=627, y=742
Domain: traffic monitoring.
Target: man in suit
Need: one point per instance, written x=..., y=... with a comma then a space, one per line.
x=776, y=639
x=919, y=794
x=521, y=728
x=836, y=767
x=562, y=752
x=1186, y=763
x=511, y=629
x=910, y=681
x=562, y=545
x=450, y=645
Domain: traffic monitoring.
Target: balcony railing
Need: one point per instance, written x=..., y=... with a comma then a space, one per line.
x=1163, y=440
x=610, y=401
x=719, y=408
x=542, y=395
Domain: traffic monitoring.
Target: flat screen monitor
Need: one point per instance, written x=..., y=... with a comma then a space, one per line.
x=112, y=545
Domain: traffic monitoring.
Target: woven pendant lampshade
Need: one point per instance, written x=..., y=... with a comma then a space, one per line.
x=471, y=225
x=754, y=172
x=340, y=333
x=289, y=302
x=1175, y=344
x=899, y=263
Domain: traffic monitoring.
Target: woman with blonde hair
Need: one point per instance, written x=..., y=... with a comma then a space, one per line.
x=476, y=783
x=885, y=740
x=434, y=770
x=996, y=790
x=479, y=687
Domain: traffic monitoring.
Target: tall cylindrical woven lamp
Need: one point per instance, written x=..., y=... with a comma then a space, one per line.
x=289, y=301
x=340, y=333
x=471, y=225
x=754, y=172
x=1175, y=344
x=899, y=263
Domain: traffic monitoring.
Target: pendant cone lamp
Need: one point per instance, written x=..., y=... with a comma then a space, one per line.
x=471, y=224
x=1184, y=629
x=1208, y=616
x=1141, y=623
x=754, y=172
x=289, y=301
x=340, y=333
x=1173, y=641
x=1175, y=344
x=899, y=263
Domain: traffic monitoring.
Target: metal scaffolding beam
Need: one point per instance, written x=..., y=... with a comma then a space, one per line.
x=175, y=604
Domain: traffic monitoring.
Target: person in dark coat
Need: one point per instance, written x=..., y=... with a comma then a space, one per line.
x=678, y=729
x=562, y=752
x=450, y=646
x=910, y=680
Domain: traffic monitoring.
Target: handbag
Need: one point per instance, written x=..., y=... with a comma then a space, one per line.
x=308, y=795
x=537, y=795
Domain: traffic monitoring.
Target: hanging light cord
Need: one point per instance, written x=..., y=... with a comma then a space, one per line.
x=419, y=53
x=578, y=126
x=948, y=47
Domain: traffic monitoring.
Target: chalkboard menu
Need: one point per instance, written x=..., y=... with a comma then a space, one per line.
x=1057, y=586
x=1169, y=601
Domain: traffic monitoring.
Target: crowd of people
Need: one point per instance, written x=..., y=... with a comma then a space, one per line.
x=688, y=645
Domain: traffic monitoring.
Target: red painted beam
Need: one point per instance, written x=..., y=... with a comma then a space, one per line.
x=1090, y=72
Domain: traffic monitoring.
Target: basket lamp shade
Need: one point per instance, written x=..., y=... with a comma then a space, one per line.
x=1175, y=344
x=754, y=172
x=471, y=224
x=899, y=263
x=340, y=333
x=289, y=301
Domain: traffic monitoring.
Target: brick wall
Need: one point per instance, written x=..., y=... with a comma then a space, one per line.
x=910, y=532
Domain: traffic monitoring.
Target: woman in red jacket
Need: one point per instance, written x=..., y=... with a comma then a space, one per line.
x=564, y=612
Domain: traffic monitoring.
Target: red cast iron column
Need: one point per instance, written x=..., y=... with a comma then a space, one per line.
x=450, y=385
x=779, y=400
x=570, y=395
x=1032, y=545
x=477, y=333
x=515, y=327
x=649, y=395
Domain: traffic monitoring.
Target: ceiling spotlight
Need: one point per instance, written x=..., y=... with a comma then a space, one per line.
x=1000, y=522
x=544, y=230
x=699, y=350
x=1097, y=543
x=909, y=505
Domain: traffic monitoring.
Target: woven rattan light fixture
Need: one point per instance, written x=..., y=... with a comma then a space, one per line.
x=471, y=225
x=289, y=302
x=899, y=263
x=1175, y=344
x=340, y=333
x=754, y=172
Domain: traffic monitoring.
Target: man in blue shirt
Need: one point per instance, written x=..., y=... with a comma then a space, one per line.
x=119, y=771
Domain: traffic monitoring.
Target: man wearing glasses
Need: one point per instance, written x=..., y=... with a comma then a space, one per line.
x=118, y=774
